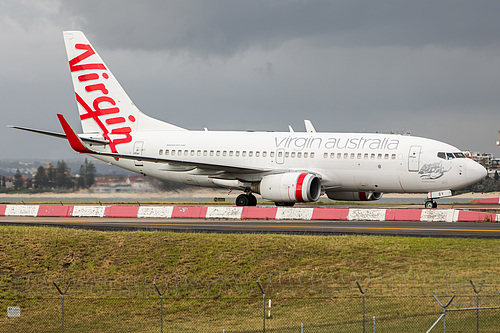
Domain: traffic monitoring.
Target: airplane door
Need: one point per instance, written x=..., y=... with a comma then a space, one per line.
x=138, y=148
x=280, y=156
x=414, y=158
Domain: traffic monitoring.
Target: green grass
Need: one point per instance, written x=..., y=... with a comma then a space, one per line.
x=46, y=251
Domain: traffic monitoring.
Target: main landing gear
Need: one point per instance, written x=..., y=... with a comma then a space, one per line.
x=247, y=199
x=431, y=204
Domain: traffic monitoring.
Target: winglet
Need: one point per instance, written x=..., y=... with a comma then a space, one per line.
x=309, y=126
x=74, y=141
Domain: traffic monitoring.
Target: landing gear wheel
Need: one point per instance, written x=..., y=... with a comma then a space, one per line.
x=242, y=200
x=246, y=200
x=284, y=204
x=253, y=200
x=431, y=204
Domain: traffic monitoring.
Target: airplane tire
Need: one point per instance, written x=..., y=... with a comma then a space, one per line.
x=242, y=200
x=253, y=200
x=431, y=204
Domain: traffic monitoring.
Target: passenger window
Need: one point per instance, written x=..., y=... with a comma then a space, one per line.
x=243, y=153
x=366, y=156
x=173, y=152
x=160, y=152
x=287, y=154
x=272, y=154
x=205, y=153
x=386, y=156
x=224, y=153
x=346, y=156
x=166, y=152
x=325, y=155
x=192, y=152
x=312, y=155
x=217, y=153
x=230, y=153
x=250, y=153
x=186, y=152
x=211, y=153
x=332, y=155
x=379, y=156
x=339, y=155
x=280, y=154
x=237, y=153
x=372, y=156
x=257, y=154
x=305, y=155
x=264, y=153
x=198, y=153
x=299, y=155
x=359, y=156
x=352, y=156
x=393, y=156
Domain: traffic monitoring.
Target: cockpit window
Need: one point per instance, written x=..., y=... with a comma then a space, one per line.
x=450, y=156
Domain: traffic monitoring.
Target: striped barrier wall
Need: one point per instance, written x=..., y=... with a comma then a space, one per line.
x=257, y=213
x=490, y=201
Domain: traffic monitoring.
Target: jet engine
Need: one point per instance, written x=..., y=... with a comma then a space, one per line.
x=289, y=187
x=354, y=196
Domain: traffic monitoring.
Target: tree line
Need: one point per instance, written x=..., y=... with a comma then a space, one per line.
x=58, y=177
x=488, y=184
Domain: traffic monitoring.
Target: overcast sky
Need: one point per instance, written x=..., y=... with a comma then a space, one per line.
x=429, y=67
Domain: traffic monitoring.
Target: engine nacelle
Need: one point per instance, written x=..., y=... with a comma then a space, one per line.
x=354, y=196
x=290, y=187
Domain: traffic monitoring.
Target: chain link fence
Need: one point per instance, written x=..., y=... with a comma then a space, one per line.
x=307, y=302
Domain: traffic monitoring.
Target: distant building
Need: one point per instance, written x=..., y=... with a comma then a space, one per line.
x=113, y=184
x=487, y=160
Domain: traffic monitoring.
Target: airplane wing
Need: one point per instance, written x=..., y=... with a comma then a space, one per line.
x=58, y=135
x=77, y=144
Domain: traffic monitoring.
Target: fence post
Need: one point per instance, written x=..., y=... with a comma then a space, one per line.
x=477, y=291
x=161, y=304
x=444, y=311
x=62, y=301
x=363, y=293
x=263, y=308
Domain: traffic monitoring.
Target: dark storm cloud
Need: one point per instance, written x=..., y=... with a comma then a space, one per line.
x=227, y=26
x=432, y=67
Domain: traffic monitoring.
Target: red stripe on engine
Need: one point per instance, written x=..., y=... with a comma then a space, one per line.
x=298, y=188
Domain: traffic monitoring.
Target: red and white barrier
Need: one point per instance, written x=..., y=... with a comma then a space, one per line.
x=257, y=213
x=490, y=201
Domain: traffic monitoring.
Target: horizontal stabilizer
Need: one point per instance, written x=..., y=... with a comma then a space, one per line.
x=74, y=141
x=58, y=135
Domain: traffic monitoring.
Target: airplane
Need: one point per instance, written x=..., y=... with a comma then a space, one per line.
x=283, y=167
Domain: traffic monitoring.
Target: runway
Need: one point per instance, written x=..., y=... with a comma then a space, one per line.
x=401, y=228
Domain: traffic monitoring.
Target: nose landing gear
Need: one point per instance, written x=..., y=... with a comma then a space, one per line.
x=431, y=204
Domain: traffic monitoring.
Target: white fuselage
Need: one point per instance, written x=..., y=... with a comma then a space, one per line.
x=343, y=161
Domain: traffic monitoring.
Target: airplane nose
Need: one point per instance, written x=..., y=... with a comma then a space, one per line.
x=475, y=172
